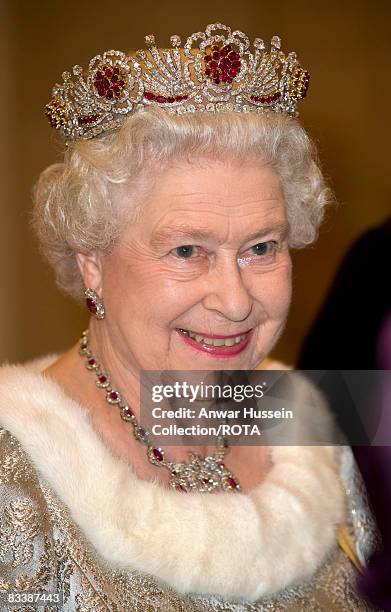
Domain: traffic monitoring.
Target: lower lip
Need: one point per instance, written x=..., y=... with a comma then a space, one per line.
x=218, y=351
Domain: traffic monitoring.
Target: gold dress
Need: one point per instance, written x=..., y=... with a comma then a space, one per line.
x=76, y=520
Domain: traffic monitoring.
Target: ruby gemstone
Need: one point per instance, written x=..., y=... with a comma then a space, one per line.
x=128, y=412
x=234, y=56
x=102, y=379
x=113, y=395
x=91, y=362
x=158, y=454
x=232, y=482
x=223, y=64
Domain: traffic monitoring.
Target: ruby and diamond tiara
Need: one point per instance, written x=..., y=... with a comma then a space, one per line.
x=214, y=71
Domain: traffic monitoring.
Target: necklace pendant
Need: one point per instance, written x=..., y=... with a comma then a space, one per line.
x=202, y=475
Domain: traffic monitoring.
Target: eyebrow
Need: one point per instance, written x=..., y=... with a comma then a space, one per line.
x=189, y=232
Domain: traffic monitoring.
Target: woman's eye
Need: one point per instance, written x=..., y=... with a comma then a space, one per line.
x=264, y=248
x=261, y=250
x=263, y=253
x=184, y=252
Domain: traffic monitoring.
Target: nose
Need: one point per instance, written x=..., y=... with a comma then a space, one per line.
x=226, y=291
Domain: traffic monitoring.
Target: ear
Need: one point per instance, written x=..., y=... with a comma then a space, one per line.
x=91, y=270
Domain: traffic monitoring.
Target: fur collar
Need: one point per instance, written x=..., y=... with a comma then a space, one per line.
x=241, y=546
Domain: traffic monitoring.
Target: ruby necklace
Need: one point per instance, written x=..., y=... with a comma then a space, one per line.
x=204, y=475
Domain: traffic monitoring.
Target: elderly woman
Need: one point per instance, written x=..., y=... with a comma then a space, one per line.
x=185, y=181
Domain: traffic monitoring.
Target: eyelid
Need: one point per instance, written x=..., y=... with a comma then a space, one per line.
x=279, y=237
x=276, y=243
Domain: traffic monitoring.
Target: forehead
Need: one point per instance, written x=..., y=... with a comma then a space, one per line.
x=213, y=194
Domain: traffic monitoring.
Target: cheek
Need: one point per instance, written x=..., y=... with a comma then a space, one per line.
x=143, y=290
x=274, y=292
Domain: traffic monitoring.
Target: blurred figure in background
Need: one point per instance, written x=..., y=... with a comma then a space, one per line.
x=355, y=308
x=358, y=311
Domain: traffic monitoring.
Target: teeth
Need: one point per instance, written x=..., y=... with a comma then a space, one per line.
x=215, y=341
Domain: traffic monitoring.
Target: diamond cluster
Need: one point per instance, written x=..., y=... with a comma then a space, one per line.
x=214, y=71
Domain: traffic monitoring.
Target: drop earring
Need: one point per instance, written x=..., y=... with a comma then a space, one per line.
x=94, y=303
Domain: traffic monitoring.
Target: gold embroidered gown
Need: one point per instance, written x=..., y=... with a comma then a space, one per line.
x=44, y=545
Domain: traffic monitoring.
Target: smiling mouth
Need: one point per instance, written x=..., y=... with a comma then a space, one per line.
x=215, y=340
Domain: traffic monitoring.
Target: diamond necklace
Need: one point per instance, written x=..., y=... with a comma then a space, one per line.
x=202, y=475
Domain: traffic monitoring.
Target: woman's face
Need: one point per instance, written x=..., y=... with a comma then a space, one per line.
x=209, y=256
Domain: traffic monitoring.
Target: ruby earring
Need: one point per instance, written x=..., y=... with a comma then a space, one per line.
x=94, y=304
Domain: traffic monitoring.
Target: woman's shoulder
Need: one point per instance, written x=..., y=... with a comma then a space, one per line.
x=26, y=541
x=18, y=380
x=33, y=365
x=16, y=471
x=20, y=385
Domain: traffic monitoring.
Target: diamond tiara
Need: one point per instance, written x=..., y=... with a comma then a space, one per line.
x=214, y=71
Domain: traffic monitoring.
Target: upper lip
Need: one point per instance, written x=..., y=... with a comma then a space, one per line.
x=217, y=336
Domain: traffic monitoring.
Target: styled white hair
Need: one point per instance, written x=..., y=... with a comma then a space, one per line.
x=76, y=203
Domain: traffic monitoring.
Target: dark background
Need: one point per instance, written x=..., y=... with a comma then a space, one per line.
x=344, y=45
